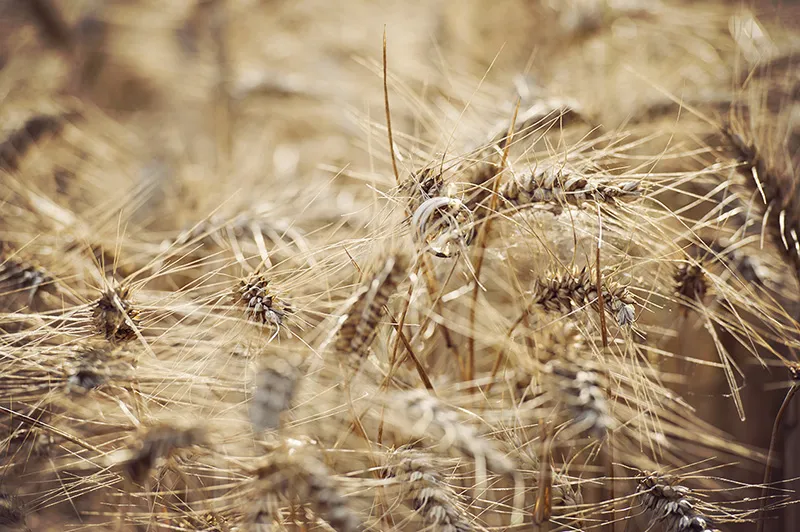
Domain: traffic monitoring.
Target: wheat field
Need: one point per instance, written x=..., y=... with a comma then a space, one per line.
x=375, y=265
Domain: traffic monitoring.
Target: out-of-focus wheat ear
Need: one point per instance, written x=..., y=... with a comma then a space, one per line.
x=293, y=474
x=779, y=192
x=565, y=292
x=261, y=306
x=52, y=24
x=96, y=365
x=579, y=387
x=579, y=17
x=90, y=371
x=749, y=267
x=561, y=110
x=35, y=130
x=436, y=502
x=12, y=512
x=113, y=313
x=22, y=277
x=553, y=187
x=417, y=414
x=275, y=388
x=358, y=328
x=672, y=505
x=159, y=442
x=690, y=282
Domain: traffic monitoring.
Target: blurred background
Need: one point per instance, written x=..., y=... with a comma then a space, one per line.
x=236, y=92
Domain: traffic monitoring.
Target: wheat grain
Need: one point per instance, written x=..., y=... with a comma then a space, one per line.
x=555, y=187
x=294, y=474
x=159, y=442
x=580, y=389
x=259, y=304
x=275, y=387
x=432, y=499
x=563, y=293
x=672, y=505
x=113, y=313
x=359, y=325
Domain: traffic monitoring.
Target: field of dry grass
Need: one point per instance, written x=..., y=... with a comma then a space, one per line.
x=399, y=266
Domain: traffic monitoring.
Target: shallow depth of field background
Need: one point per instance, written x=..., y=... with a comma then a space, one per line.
x=231, y=105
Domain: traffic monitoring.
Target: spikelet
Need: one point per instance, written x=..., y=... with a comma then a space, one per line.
x=159, y=442
x=690, y=282
x=672, y=505
x=578, y=386
x=563, y=293
x=293, y=474
x=111, y=314
x=358, y=328
x=417, y=414
x=260, y=306
x=432, y=498
x=275, y=388
x=554, y=187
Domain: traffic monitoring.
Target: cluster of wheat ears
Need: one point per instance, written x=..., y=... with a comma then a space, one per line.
x=380, y=265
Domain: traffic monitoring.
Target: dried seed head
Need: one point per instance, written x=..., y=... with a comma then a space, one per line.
x=160, y=442
x=556, y=187
x=432, y=498
x=113, y=314
x=358, y=327
x=275, y=387
x=294, y=474
x=672, y=505
x=690, y=282
x=563, y=293
x=260, y=306
x=580, y=389
x=417, y=414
